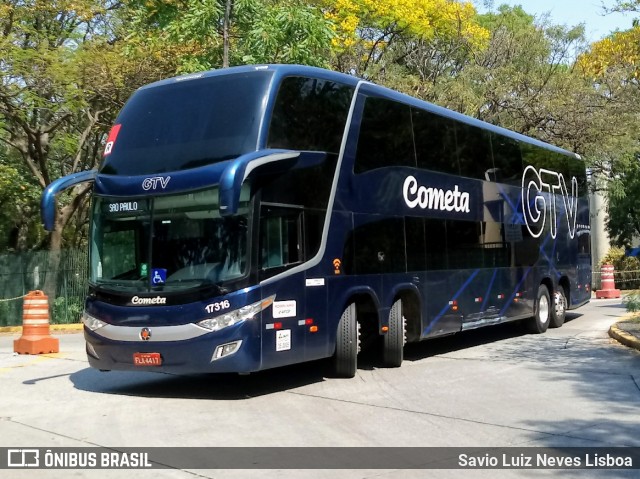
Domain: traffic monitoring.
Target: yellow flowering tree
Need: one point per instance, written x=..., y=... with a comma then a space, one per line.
x=619, y=51
x=366, y=31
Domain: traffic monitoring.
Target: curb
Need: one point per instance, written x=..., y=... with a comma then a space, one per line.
x=624, y=337
x=61, y=328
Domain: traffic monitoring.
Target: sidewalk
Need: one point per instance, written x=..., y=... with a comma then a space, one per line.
x=626, y=332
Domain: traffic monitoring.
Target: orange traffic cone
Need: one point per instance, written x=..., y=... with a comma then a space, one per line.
x=608, y=284
x=35, y=337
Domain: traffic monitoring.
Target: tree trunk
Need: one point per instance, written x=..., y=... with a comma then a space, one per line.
x=53, y=263
x=225, y=33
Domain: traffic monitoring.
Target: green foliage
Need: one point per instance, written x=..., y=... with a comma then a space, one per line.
x=623, y=219
x=67, y=310
x=192, y=32
x=625, y=6
x=627, y=268
x=20, y=198
x=288, y=33
x=632, y=302
x=9, y=183
x=613, y=256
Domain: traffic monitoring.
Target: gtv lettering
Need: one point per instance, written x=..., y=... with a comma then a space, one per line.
x=434, y=198
x=152, y=183
x=539, y=192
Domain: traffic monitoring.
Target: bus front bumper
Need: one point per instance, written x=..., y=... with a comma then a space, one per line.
x=232, y=350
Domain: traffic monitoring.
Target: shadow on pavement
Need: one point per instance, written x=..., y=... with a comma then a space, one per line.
x=201, y=386
x=237, y=387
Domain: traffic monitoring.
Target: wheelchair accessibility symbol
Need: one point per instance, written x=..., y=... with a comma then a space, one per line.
x=158, y=276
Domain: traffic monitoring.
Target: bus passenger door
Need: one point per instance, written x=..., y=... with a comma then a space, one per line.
x=283, y=328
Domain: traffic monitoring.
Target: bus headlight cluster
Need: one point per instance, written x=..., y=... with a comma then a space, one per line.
x=237, y=316
x=91, y=322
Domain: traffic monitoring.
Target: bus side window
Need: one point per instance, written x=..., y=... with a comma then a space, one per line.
x=309, y=114
x=414, y=231
x=386, y=136
x=507, y=160
x=435, y=138
x=474, y=151
x=371, y=249
x=464, y=247
x=537, y=157
x=575, y=168
x=436, y=244
x=280, y=237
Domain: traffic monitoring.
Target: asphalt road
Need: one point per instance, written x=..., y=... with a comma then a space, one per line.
x=572, y=386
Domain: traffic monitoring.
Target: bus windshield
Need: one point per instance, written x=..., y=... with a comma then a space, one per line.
x=167, y=243
x=187, y=124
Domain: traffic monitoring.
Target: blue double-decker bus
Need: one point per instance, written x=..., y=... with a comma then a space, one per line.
x=259, y=216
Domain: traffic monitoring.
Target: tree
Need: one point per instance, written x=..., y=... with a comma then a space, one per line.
x=287, y=32
x=612, y=66
x=523, y=80
x=42, y=100
x=64, y=78
x=625, y=6
x=206, y=34
x=19, y=199
x=623, y=220
x=620, y=51
x=368, y=32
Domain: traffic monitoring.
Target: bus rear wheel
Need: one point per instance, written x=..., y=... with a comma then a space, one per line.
x=394, y=340
x=542, y=312
x=345, y=358
x=559, y=308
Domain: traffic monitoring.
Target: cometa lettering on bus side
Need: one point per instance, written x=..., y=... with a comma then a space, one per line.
x=137, y=300
x=434, y=198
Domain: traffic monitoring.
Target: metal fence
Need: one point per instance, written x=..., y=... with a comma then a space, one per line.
x=24, y=272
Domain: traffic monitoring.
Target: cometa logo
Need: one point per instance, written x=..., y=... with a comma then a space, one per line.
x=138, y=301
x=434, y=198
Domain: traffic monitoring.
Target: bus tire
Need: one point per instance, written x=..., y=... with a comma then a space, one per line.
x=394, y=340
x=542, y=312
x=345, y=358
x=559, y=308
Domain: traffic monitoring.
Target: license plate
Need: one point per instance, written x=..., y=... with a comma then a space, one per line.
x=147, y=359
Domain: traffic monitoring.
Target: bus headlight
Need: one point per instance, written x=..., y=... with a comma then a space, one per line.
x=237, y=316
x=91, y=322
x=226, y=350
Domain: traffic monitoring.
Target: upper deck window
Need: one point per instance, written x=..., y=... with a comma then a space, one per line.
x=386, y=136
x=309, y=114
x=186, y=124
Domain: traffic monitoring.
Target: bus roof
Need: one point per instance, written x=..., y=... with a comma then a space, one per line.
x=277, y=70
x=281, y=70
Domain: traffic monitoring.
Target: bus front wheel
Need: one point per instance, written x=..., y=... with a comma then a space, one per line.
x=542, y=312
x=394, y=340
x=345, y=359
